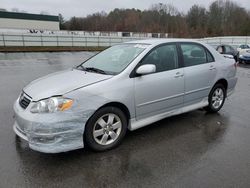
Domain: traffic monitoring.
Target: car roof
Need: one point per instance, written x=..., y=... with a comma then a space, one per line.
x=155, y=42
x=161, y=40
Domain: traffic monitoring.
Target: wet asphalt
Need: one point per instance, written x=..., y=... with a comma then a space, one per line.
x=195, y=149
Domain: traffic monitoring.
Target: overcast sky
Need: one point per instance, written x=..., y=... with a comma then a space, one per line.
x=69, y=8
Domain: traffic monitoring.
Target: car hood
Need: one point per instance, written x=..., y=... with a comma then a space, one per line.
x=62, y=82
x=246, y=53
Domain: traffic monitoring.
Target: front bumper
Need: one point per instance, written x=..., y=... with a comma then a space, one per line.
x=244, y=58
x=51, y=133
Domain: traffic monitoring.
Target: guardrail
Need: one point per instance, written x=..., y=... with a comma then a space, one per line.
x=25, y=40
x=232, y=40
x=58, y=40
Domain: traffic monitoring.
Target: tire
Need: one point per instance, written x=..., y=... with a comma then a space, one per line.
x=216, y=98
x=105, y=129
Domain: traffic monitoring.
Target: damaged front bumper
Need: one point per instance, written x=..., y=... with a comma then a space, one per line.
x=51, y=133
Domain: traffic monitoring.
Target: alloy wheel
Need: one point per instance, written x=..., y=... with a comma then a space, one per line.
x=217, y=98
x=107, y=129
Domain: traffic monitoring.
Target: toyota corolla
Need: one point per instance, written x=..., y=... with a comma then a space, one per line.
x=124, y=87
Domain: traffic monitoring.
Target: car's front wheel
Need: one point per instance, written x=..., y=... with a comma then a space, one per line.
x=105, y=129
x=216, y=98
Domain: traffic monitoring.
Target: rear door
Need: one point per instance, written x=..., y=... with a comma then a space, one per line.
x=199, y=71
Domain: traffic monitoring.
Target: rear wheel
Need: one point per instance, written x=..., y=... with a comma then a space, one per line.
x=105, y=129
x=216, y=98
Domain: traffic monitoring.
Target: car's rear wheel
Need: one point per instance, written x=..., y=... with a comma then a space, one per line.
x=216, y=98
x=105, y=129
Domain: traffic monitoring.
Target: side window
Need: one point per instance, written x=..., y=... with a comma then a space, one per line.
x=164, y=58
x=232, y=49
x=193, y=54
x=228, y=49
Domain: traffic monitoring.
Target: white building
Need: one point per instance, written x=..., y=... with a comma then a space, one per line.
x=24, y=21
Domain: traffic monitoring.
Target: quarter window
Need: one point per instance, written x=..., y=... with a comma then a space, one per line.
x=164, y=58
x=210, y=58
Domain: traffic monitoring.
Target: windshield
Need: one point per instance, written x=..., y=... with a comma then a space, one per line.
x=244, y=46
x=114, y=59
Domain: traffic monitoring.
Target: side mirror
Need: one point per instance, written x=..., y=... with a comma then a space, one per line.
x=228, y=56
x=146, y=69
x=220, y=50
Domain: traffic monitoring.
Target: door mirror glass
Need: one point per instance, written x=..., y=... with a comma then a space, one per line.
x=146, y=69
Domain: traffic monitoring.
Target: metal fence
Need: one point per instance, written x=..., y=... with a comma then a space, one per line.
x=232, y=40
x=8, y=39
x=61, y=40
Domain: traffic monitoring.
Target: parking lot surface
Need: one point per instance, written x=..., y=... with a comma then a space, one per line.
x=195, y=149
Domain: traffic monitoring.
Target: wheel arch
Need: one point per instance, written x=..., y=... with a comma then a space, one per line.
x=121, y=106
x=88, y=139
x=222, y=81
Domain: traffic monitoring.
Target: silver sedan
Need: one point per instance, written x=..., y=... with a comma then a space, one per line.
x=125, y=87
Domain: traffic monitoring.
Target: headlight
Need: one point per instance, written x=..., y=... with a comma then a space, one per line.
x=51, y=105
x=241, y=56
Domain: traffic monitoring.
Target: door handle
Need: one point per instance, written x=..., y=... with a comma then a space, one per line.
x=212, y=67
x=178, y=75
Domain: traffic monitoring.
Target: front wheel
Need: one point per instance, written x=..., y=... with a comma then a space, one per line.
x=105, y=129
x=216, y=98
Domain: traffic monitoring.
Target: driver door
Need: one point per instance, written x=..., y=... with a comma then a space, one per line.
x=163, y=90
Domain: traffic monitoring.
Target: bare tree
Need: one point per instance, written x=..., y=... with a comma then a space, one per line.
x=223, y=17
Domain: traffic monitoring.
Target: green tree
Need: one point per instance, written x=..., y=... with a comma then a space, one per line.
x=61, y=22
x=197, y=21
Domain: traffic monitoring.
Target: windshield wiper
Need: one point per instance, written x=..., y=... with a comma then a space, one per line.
x=81, y=66
x=92, y=69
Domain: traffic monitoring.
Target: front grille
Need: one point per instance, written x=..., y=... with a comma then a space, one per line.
x=24, y=101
